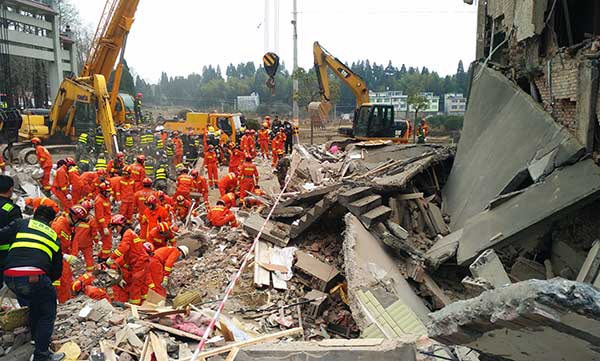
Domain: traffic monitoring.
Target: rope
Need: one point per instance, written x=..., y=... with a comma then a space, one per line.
x=231, y=285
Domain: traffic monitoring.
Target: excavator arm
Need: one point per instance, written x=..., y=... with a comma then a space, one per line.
x=323, y=61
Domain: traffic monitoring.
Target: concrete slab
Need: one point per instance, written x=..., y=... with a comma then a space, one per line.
x=353, y=194
x=527, y=215
x=527, y=321
x=500, y=139
x=365, y=204
x=376, y=215
x=273, y=232
x=591, y=267
x=489, y=267
x=444, y=249
x=315, y=273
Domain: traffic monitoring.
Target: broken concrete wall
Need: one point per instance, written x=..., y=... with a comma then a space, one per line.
x=504, y=132
x=527, y=321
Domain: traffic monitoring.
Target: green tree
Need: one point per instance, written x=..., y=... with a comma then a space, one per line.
x=417, y=102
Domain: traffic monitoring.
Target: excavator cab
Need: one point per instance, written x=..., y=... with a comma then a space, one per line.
x=374, y=121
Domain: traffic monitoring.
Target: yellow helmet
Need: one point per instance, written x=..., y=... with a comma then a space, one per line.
x=211, y=129
x=242, y=129
x=218, y=132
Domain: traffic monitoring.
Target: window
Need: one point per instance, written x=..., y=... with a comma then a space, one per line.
x=224, y=125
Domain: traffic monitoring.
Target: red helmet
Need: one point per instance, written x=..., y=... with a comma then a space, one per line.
x=141, y=158
x=118, y=220
x=36, y=141
x=149, y=247
x=253, y=132
x=78, y=213
x=164, y=227
x=267, y=117
x=104, y=187
x=195, y=173
x=70, y=161
x=120, y=155
x=87, y=205
x=180, y=199
x=247, y=131
x=101, y=172
x=211, y=147
x=139, y=95
x=151, y=200
x=160, y=194
x=127, y=170
x=147, y=182
x=248, y=158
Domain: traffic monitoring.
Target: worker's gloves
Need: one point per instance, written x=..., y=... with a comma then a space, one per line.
x=118, y=204
x=165, y=282
x=69, y=197
x=110, y=262
x=70, y=259
x=106, y=232
x=122, y=283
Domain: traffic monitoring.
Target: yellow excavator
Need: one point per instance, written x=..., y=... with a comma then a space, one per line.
x=371, y=120
x=85, y=101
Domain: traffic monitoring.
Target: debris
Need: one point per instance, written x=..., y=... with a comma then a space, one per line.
x=590, y=271
x=315, y=273
x=186, y=298
x=489, y=267
x=273, y=232
x=526, y=269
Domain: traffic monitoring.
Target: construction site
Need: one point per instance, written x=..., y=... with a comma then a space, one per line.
x=230, y=235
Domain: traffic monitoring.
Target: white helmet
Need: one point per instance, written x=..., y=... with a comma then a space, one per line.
x=185, y=251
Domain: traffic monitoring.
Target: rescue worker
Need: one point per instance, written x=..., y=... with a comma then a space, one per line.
x=185, y=183
x=166, y=201
x=137, y=108
x=129, y=140
x=2, y=164
x=161, y=176
x=228, y=183
x=161, y=265
x=9, y=212
x=101, y=162
x=182, y=208
x=45, y=161
x=85, y=236
x=83, y=284
x=103, y=212
x=64, y=226
x=282, y=167
x=162, y=235
x=153, y=215
x=138, y=171
x=420, y=135
x=276, y=126
x=252, y=201
x=276, y=144
x=140, y=197
x=130, y=252
x=178, y=144
x=229, y=199
x=74, y=180
x=199, y=185
x=235, y=159
x=247, y=144
x=31, y=204
x=263, y=141
x=60, y=186
x=189, y=148
x=267, y=121
x=89, y=183
x=248, y=177
x=170, y=149
x=125, y=194
x=210, y=162
x=117, y=164
x=33, y=263
x=425, y=127
x=149, y=167
x=220, y=216
x=288, y=130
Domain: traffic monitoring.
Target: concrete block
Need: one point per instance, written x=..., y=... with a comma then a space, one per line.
x=375, y=216
x=314, y=273
x=275, y=233
x=489, y=267
x=590, y=269
x=526, y=269
x=363, y=205
x=353, y=194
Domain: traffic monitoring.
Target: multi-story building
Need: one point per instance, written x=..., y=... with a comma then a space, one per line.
x=248, y=103
x=454, y=104
x=396, y=98
x=31, y=29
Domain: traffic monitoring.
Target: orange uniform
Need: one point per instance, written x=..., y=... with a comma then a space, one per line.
x=178, y=150
x=263, y=142
x=182, y=210
x=236, y=158
x=89, y=184
x=2, y=163
x=138, y=173
x=159, y=240
x=125, y=194
x=161, y=266
x=115, y=183
x=185, y=183
x=201, y=186
x=60, y=187
x=250, y=202
x=64, y=231
x=248, y=145
x=45, y=160
x=139, y=202
x=86, y=235
x=42, y=201
x=219, y=216
x=103, y=213
x=210, y=162
x=76, y=184
x=275, y=145
x=131, y=252
x=115, y=165
x=228, y=183
x=151, y=219
x=229, y=199
x=249, y=178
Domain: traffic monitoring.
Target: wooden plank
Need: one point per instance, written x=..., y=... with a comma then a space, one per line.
x=109, y=353
x=134, y=340
x=406, y=197
x=262, y=277
x=437, y=292
x=252, y=341
x=145, y=349
x=134, y=312
x=232, y=354
x=278, y=282
x=160, y=347
x=155, y=298
x=172, y=330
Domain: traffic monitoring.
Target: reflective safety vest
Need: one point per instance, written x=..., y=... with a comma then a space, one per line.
x=37, y=236
x=161, y=174
x=129, y=141
x=170, y=151
x=147, y=139
x=83, y=138
x=149, y=169
x=99, y=139
x=159, y=143
x=101, y=164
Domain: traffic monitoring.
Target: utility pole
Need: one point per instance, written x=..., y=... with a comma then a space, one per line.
x=295, y=110
x=266, y=24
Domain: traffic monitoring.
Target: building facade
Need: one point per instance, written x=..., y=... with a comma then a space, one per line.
x=248, y=103
x=400, y=101
x=455, y=104
x=31, y=29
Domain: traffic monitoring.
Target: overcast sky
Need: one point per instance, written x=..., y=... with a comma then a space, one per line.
x=181, y=36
